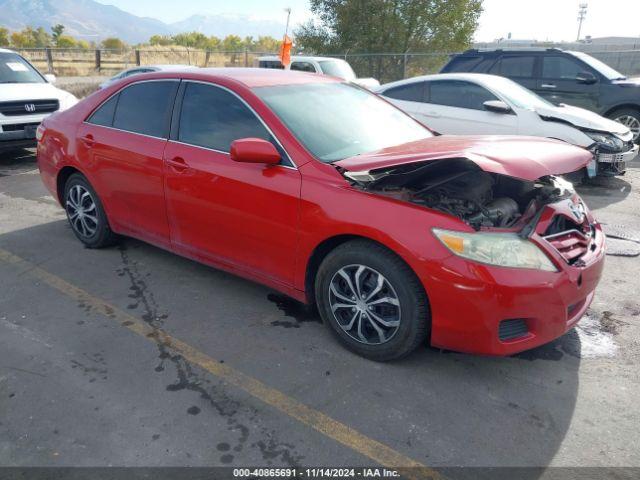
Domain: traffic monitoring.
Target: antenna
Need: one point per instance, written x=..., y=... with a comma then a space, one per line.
x=582, y=14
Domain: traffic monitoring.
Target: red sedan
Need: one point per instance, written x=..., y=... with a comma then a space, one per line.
x=326, y=192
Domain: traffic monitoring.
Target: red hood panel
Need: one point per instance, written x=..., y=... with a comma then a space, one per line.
x=527, y=158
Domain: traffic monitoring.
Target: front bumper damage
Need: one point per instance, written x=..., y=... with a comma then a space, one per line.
x=607, y=163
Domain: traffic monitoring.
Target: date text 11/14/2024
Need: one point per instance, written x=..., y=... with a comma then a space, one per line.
x=318, y=472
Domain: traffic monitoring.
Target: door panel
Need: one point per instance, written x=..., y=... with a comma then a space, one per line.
x=128, y=170
x=238, y=213
x=456, y=107
x=124, y=140
x=558, y=83
x=466, y=121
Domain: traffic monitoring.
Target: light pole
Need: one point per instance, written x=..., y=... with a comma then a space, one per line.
x=582, y=14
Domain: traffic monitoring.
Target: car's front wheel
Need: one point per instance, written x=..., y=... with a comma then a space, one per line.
x=630, y=118
x=372, y=301
x=86, y=214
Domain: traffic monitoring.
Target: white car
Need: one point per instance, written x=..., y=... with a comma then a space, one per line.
x=336, y=67
x=472, y=103
x=26, y=98
x=145, y=69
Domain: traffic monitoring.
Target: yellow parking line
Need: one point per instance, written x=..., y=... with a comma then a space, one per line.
x=376, y=451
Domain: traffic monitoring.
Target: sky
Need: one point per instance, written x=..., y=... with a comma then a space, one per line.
x=524, y=19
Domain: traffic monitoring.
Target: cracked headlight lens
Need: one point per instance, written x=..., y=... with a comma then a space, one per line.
x=501, y=249
x=606, y=140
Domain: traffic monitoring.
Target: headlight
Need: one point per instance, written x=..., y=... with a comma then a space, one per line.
x=502, y=249
x=607, y=140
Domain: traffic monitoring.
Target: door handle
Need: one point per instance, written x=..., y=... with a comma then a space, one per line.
x=548, y=85
x=88, y=140
x=178, y=164
x=432, y=114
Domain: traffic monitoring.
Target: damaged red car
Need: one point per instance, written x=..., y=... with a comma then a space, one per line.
x=324, y=191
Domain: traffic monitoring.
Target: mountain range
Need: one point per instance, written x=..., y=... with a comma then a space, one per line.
x=90, y=20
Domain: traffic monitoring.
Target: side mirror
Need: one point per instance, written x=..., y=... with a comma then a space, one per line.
x=586, y=78
x=254, y=150
x=497, y=106
x=50, y=78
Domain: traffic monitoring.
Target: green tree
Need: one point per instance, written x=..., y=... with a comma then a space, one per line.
x=266, y=45
x=57, y=31
x=232, y=43
x=213, y=43
x=65, y=41
x=41, y=37
x=160, y=40
x=30, y=38
x=83, y=44
x=4, y=37
x=191, y=39
x=378, y=26
x=113, y=43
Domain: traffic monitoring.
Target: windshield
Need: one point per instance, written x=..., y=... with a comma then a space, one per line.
x=15, y=69
x=337, y=68
x=518, y=95
x=601, y=67
x=336, y=120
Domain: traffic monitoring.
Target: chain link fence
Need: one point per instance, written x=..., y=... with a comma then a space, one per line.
x=385, y=67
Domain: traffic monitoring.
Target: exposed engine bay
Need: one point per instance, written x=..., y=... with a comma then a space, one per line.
x=460, y=188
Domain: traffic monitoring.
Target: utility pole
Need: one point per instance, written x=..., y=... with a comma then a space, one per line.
x=582, y=14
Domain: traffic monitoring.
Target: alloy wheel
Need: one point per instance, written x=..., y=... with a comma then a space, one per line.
x=364, y=304
x=632, y=123
x=81, y=211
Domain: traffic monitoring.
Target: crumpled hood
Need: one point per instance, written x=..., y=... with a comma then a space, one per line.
x=527, y=158
x=582, y=118
x=30, y=91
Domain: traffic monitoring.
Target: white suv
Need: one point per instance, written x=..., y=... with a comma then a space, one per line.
x=26, y=98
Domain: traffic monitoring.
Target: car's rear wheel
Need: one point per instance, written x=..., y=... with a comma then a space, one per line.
x=630, y=118
x=86, y=214
x=372, y=301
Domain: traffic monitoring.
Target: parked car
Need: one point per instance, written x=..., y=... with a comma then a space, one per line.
x=26, y=97
x=328, y=193
x=145, y=69
x=474, y=103
x=336, y=67
x=561, y=76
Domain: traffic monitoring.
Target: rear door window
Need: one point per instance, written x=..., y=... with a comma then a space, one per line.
x=411, y=92
x=518, y=66
x=145, y=108
x=212, y=117
x=458, y=93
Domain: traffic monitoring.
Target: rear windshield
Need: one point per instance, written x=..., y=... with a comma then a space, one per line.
x=15, y=69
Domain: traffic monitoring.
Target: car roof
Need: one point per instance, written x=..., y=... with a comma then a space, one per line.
x=300, y=58
x=489, y=51
x=480, y=78
x=4, y=50
x=249, y=77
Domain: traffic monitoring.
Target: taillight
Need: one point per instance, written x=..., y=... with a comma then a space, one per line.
x=40, y=132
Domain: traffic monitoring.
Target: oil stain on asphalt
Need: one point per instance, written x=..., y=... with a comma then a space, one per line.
x=299, y=312
x=188, y=379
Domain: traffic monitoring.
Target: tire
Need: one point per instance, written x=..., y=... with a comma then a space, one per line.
x=629, y=117
x=85, y=213
x=400, y=284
